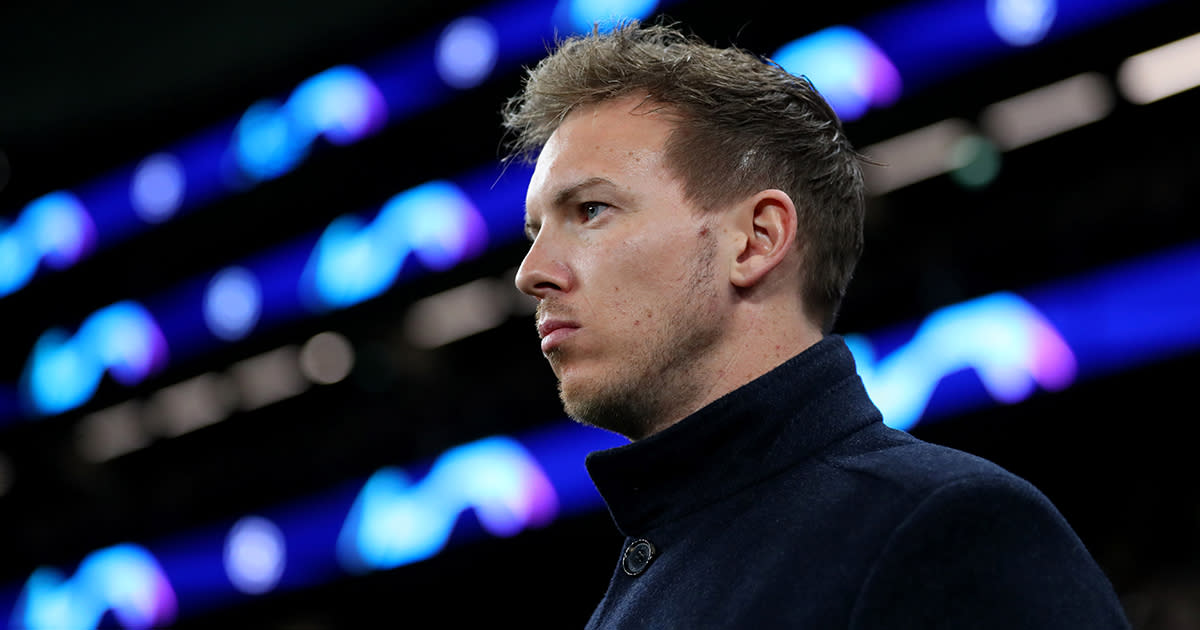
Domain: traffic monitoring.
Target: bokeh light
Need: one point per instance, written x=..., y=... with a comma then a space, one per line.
x=232, y=303
x=255, y=555
x=157, y=188
x=466, y=52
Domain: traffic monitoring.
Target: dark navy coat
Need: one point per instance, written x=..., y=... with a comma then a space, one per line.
x=789, y=504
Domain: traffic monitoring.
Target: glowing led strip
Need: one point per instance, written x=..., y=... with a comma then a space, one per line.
x=352, y=260
x=1005, y=345
x=389, y=520
x=858, y=68
x=338, y=106
x=428, y=228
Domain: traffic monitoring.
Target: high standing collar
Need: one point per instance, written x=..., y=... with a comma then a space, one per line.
x=772, y=422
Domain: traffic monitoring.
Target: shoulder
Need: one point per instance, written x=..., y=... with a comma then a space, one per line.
x=911, y=466
x=972, y=545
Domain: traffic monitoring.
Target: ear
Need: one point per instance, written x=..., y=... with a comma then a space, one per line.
x=765, y=224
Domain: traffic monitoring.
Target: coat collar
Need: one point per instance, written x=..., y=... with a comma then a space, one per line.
x=773, y=422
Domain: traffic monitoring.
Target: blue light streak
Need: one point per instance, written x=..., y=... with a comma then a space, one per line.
x=342, y=105
x=395, y=522
x=846, y=67
x=346, y=103
x=434, y=226
x=1008, y=344
x=428, y=228
x=63, y=371
x=355, y=260
x=579, y=16
x=508, y=483
x=930, y=41
x=55, y=230
x=273, y=136
x=1115, y=318
x=124, y=579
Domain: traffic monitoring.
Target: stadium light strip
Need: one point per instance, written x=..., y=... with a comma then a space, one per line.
x=997, y=349
x=1002, y=347
x=1161, y=72
x=272, y=137
x=876, y=63
x=431, y=227
x=356, y=257
x=395, y=517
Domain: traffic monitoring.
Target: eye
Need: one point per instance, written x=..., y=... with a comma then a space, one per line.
x=591, y=209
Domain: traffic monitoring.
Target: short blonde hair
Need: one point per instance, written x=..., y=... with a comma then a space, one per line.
x=743, y=124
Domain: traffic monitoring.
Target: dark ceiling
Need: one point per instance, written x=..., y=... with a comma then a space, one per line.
x=85, y=88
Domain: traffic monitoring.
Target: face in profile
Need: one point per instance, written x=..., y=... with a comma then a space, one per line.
x=625, y=270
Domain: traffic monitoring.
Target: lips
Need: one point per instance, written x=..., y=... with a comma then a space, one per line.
x=554, y=331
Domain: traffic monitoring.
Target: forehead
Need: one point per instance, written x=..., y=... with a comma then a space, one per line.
x=621, y=140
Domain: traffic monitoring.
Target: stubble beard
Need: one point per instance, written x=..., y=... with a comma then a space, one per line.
x=659, y=381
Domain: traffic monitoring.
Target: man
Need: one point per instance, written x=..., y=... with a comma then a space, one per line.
x=695, y=216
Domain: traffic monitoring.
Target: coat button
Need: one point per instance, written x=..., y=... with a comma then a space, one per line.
x=638, y=555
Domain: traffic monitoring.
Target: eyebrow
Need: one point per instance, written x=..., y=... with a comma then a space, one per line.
x=566, y=194
x=563, y=197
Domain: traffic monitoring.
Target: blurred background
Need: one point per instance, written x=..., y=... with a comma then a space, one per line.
x=262, y=362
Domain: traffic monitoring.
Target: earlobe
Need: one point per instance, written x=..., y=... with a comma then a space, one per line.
x=766, y=223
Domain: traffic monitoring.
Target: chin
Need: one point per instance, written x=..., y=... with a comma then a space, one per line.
x=574, y=395
x=575, y=379
x=606, y=406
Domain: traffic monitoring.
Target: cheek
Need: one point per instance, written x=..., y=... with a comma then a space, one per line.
x=638, y=277
x=650, y=296
x=632, y=272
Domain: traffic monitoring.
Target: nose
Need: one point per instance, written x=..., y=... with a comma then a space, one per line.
x=543, y=272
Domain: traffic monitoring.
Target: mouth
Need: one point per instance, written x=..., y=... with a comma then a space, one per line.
x=554, y=332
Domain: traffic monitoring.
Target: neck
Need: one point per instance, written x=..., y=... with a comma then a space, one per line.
x=760, y=338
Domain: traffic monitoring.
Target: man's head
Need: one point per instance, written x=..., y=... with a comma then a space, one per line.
x=695, y=215
x=742, y=124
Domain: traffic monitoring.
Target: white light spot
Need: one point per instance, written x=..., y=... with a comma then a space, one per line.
x=269, y=377
x=457, y=313
x=327, y=358
x=157, y=187
x=232, y=303
x=1021, y=22
x=255, y=555
x=1161, y=72
x=913, y=156
x=466, y=52
x=111, y=432
x=193, y=404
x=1048, y=110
